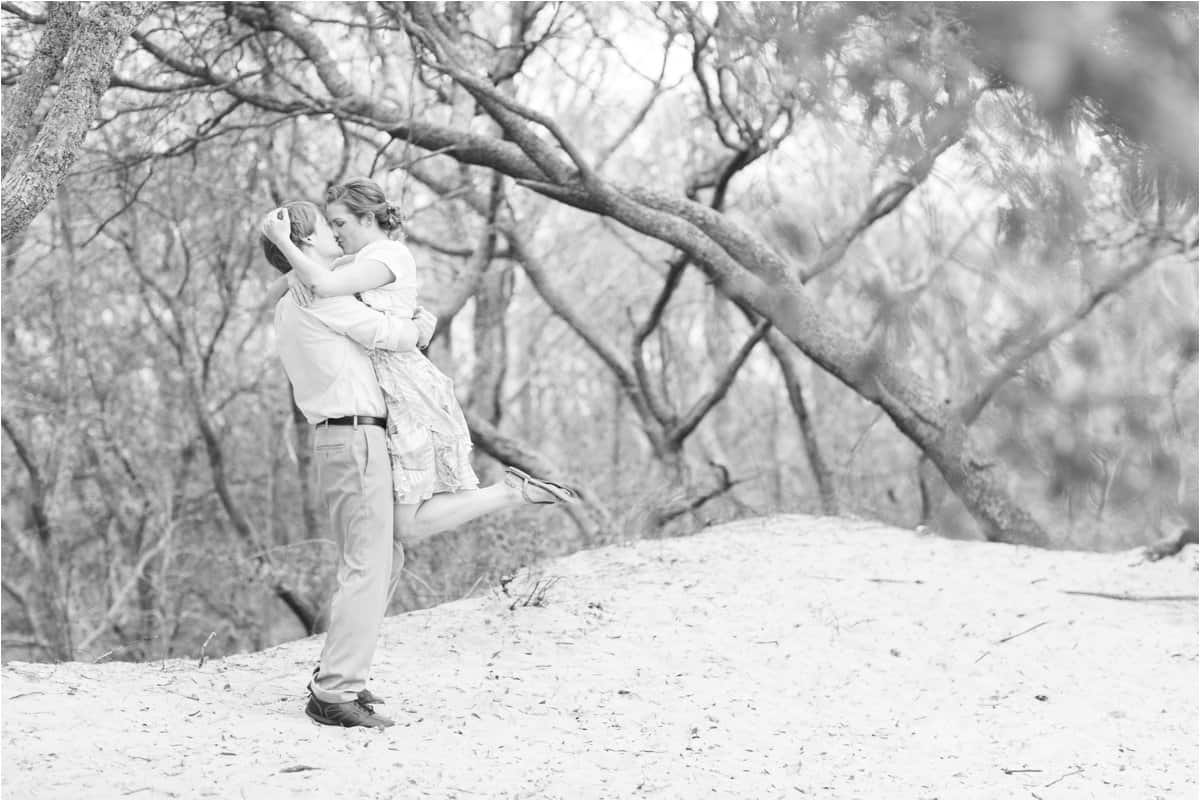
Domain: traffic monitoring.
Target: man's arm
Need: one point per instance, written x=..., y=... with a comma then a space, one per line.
x=366, y=326
x=426, y=322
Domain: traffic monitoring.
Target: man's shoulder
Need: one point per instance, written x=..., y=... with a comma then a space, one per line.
x=288, y=311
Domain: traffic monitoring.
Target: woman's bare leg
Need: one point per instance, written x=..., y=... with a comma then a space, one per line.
x=416, y=522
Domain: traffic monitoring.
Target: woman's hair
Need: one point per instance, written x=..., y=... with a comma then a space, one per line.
x=363, y=196
x=304, y=216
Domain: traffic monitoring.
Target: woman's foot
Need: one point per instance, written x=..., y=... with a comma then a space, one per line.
x=537, y=490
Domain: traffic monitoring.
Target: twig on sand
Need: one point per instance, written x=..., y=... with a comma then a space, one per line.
x=1011, y=771
x=896, y=581
x=1065, y=775
x=1118, y=597
x=537, y=594
x=205, y=645
x=475, y=586
x=1019, y=633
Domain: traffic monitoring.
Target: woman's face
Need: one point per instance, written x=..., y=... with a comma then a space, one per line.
x=351, y=231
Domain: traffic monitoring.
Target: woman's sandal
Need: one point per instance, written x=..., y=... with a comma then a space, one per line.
x=559, y=493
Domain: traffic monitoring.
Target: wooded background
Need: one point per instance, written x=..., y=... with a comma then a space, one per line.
x=933, y=264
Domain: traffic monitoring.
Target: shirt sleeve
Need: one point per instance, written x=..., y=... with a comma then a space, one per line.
x=366, y=326
x=393, y=255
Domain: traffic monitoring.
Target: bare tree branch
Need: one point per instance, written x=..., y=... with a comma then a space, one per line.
x=22, y=13
x=705, y=403
x=683, y=506
x=887, y=199
x=970, y=410
x=122, y=595
x=19, y=123
x=654, y=401
x=37, y=483
x=34, y=172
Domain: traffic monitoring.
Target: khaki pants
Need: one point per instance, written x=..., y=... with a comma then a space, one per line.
x=355, y=484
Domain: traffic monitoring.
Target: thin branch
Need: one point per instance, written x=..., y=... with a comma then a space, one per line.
x=28, y=16
x=656, y=91
x=279, y=16
x=122, y=594
x=714, y=396
x=1023, y=631
x=725, y=484
x=655, y=403
x=224, y=83
x=506, y=111
x=149, y=88
x=1130, y=597
x=891, y=196
x=37, y=484
x=781, y=350
x=579, y=323
x=124, y=207
x=971, y=409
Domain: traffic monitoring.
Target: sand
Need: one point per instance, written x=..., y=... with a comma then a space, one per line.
x=782, y=657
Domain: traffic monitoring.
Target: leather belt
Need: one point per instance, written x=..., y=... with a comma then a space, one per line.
x=355, y=420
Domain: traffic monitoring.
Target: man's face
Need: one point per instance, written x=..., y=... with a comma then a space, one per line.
x=323, y=242
x=350, y=231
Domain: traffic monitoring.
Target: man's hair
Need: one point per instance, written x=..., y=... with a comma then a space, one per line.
x=304, y=217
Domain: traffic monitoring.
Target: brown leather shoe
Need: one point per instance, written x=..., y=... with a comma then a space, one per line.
x=346, y=714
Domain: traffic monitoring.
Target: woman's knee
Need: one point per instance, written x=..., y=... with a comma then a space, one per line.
x=404, y=525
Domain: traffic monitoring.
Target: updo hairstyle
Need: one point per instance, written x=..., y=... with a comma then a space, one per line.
x=362, y=196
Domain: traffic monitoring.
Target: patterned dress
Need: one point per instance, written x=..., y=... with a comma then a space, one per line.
x=428, y=441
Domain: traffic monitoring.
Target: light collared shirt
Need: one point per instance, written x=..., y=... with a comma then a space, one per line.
x=323, y=349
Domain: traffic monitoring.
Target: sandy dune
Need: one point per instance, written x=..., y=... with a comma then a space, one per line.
x=796, y=657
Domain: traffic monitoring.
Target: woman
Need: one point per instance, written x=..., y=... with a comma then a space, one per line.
x=429, y=445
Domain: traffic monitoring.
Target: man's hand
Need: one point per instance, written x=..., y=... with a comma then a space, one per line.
x=301, y=292
x=276, y=226
x=426, y=322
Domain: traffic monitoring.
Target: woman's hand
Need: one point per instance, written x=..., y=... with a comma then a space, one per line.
x=301, y=292
x=276, y=226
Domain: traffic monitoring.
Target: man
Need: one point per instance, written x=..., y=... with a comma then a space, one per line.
x=323, y=349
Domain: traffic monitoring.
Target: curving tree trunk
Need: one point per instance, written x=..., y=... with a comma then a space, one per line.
x=39, y=154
